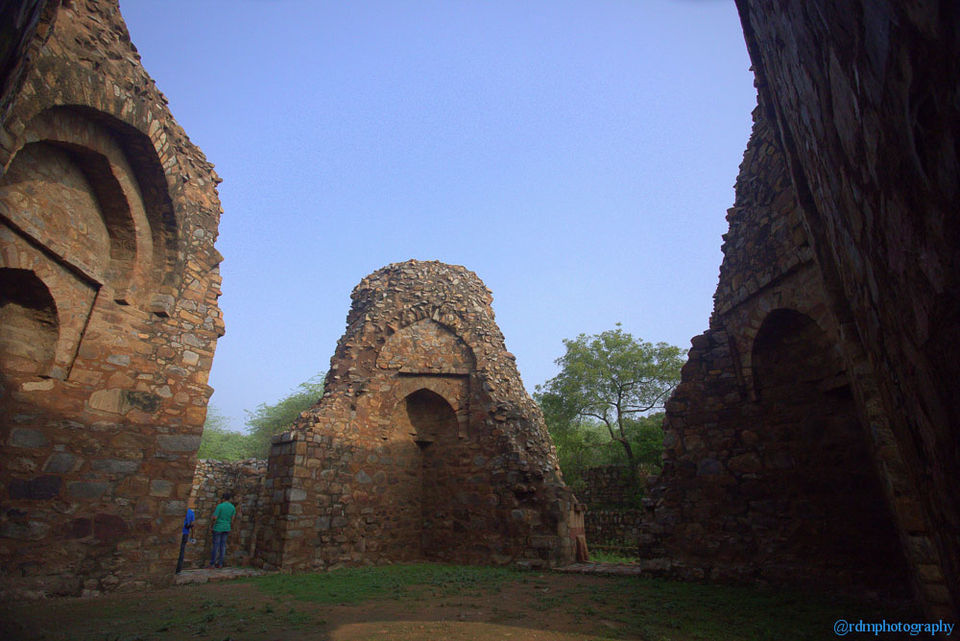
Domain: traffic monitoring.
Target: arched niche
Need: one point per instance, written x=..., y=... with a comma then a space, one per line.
x=66, y=198
x=789, y=348
x=430, y=417
x=420, y=501
x=90, y=189
x=812, y=490
x=29, y=326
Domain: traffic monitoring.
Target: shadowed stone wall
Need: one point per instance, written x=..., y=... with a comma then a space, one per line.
x=612, y=518
x=770, y=472
x=866, y=100
x=823, y=396
x=609, y=486
x=614, y=530
x=108, y=306
x=425, y=444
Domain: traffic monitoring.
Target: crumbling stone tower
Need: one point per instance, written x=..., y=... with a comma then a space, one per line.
x=108, y=305
x=425, y=444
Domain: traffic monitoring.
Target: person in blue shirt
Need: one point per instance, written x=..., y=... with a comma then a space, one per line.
x=187, y=526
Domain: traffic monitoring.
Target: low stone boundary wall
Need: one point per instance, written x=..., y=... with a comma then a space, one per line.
x=245, y=480
x=607, y=487
x=616, y=530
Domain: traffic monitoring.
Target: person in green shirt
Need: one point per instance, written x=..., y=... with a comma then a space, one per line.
x=220, y=528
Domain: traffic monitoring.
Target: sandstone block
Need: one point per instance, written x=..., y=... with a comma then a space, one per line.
x=26, y=437
x=87, y=489
x=178, y=442
x=60, y=462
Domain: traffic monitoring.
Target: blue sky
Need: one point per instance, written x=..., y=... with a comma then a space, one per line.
x=578, y=156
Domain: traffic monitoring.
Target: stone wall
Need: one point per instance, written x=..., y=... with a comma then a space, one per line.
x=108, y=307
x=770, y=472
x=866, y=100
x=608, y=486
x=425, y=444
x=612, y=519
x=614, y=530
x=245, y=481
x=822, y=396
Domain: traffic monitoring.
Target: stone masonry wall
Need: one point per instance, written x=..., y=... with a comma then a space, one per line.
x=866, y=100
x=769, y=471
x=608, y=486
x=108, y=308
x=245, y=480
x=614, y=530
x=425, y=444
x=611, y=519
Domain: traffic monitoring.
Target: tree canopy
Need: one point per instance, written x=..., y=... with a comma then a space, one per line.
x=603, y=406
x=221, y=443
x=267, y=420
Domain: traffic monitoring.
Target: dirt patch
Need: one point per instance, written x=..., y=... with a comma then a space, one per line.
x=240, y=611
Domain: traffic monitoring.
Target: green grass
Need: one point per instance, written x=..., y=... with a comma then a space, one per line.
x=354, y=585
x=598, y=607
x=642, y=608
x=661, y=610
x=602, y=556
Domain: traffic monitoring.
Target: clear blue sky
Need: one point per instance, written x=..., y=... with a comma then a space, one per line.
x=578, y=156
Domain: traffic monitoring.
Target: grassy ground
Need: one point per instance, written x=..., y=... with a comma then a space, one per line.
x=607, y=556
x=420, y=602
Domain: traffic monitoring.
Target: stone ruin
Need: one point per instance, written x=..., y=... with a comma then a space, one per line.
x=813, y=437
x=768, y=473
x=108, y=305
x=425, y=444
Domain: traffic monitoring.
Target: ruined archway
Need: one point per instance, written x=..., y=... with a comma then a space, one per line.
x=816, y=501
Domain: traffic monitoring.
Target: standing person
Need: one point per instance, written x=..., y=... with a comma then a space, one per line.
x=220, y=528
x=187, y=526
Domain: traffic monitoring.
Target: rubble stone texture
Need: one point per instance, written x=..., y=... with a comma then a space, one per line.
x=244, y=480
x=425, y=444
x=108, y=306
x=608, y=486
x=814, y=435
x=611, y=518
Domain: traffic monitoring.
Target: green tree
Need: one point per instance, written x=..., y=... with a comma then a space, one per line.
x=219, y=442
x=605, y=397
x=267, y=420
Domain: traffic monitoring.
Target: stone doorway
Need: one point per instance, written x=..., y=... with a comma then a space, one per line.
x=434, y=430
x=817, y=503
